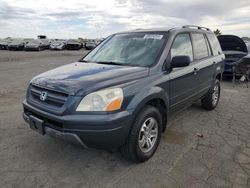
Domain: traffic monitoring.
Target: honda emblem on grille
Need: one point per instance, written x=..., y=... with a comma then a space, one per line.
x=43, y=96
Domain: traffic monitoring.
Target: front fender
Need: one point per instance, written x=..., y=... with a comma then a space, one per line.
x=145, y=95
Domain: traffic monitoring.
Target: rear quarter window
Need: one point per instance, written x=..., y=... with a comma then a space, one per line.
x=214, y=43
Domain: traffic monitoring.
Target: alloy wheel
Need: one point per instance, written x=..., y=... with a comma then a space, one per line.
x=215, y=96
x=148, y=134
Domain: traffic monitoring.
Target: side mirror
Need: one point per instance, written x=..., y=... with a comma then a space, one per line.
x=180, y=61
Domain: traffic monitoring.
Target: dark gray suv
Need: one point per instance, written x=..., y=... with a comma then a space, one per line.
x=122, y=93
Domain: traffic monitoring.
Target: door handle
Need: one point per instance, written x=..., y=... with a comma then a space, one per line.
x=195, y=71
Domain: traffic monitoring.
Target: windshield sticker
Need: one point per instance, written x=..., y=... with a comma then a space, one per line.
x=157, y=37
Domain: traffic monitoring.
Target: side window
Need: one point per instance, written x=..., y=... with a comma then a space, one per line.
x=215, y=45
x=200, y=46
x=182, y=46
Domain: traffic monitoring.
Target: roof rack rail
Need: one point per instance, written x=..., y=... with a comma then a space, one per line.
x=195, y=26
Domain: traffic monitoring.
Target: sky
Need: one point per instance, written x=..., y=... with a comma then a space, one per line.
x=100, y=18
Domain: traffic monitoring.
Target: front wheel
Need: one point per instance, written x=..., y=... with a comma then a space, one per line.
x=211, y=100
x=145, y=135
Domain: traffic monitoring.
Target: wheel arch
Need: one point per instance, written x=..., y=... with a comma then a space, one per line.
x=156, y=97
x=219, y=76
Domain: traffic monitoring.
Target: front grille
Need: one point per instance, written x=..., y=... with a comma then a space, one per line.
x=54, y=99
x=234, y=56
x=73, y=46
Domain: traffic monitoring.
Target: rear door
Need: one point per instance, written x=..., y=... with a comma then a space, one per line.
x=182, y=80
x=203, y=61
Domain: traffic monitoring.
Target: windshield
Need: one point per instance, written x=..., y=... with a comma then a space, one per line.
x=57, y=43
x=34, y=42
x=135, y=49
x=16, y=42
x=72, y=40
x=6, y=41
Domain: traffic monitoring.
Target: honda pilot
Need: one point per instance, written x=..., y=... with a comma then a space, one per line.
x=122, y=93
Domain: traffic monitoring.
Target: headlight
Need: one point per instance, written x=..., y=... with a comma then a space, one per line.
x=103, y=100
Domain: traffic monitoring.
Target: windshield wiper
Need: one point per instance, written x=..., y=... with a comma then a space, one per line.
x=82, y=60
x=110, y=63
x=105, y=62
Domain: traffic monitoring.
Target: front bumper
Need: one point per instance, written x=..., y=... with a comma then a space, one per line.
x=31, y=48
x=15, y=47
x=57, y=47
x=69, y=137
x=3, y=47
x=228, y=68
x=73, y=47
x=104, y=131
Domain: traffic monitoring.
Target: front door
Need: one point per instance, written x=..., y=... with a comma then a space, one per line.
x=183, y=83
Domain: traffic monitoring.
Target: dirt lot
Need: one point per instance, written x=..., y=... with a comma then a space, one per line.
x=221, y=158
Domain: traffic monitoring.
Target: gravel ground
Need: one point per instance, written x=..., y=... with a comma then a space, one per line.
x=221, y=158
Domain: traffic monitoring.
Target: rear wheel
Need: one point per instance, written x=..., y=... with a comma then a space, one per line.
x=210, y=101
x=145, y=135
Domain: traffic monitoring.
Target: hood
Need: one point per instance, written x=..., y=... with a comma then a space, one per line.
x=232, y=43
x=79, y=76
x=32, y=45
x=57, y=44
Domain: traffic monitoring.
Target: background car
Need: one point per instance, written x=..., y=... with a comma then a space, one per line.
x=4, y=43
x=41, y=37
x=100, y=40
x=45, y=43
x=34, y=45
x=73, y=44
x=248, y=47
x=234, y=49
x=16, y=44
x=90, y=45
x=27, y=40
x=58, y=45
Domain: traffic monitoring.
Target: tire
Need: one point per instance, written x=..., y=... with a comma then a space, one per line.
x=140, y=134
x=211, y=99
